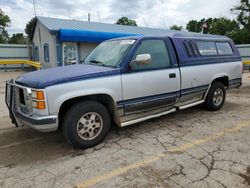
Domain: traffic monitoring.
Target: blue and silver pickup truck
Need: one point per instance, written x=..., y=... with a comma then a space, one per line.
x=124, y=81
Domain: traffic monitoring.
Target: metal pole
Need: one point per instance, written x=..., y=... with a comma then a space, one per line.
x=89, y=17
x=34, y=6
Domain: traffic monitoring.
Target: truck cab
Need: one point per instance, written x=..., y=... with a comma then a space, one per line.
x=125, y=81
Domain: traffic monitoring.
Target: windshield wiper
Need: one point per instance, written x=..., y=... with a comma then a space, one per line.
x=98, y=62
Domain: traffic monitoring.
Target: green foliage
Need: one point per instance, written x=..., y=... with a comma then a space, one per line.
x=126, y=21
x=243, y=12
x=29, y=27
x=240, y=36
x=4, y=22
x=194, y=26
x=17, y=38
x=218, y=26
x=176, y=27
x=223, y=26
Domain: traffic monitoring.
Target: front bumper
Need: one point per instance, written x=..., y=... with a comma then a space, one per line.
x=39, y=123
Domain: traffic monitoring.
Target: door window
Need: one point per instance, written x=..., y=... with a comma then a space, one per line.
x=158, y=52
x=69, y=53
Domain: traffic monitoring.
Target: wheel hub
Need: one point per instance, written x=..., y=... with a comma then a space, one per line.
x=89, y=126
x=218, y=97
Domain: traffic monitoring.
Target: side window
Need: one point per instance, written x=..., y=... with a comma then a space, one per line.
x=46, y=52
x=159, y=55
x=206, y=48
x=224, y=48
x=188, y=48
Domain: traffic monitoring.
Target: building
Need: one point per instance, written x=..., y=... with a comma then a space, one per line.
x=60, y=42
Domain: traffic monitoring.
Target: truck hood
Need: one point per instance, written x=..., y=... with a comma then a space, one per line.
x=58, y=75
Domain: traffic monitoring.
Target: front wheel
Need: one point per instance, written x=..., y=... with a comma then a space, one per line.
x=86, y=124
x=216, y=97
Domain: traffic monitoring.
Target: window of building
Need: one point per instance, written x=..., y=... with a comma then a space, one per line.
x=70, y=53
x=224, y=48
x=159, y=55
x=36, y=55
x=206, y=48
x=58, y=54
x=46, y=52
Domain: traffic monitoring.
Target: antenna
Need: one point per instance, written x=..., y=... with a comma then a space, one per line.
x=99, y=16
x=34, y=6
x=69, y=13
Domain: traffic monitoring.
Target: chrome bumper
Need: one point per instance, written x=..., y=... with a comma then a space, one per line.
x=39, y=123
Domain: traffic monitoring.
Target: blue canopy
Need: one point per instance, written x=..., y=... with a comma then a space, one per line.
x=71, y=35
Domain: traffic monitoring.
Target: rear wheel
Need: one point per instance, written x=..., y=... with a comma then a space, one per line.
x=86, y=124
x=216, y=96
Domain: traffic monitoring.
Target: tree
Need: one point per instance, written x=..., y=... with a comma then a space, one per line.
x=17, y=38
x=194, y=26
x=242, y=35
x=176, y=27
x=218, y=26
x=126, y=21
x=4, y=22
x=223, y=26
x=29, y=27
x=243, y=11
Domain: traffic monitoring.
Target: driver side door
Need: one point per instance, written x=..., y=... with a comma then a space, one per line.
x=149, y=86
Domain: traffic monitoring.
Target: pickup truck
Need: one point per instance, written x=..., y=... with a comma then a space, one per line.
x=124, y=81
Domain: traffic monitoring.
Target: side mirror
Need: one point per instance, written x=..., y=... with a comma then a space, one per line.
x=141, y=59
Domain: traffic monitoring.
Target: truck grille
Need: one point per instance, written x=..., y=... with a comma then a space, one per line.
x=20, y=99
x=21, y=96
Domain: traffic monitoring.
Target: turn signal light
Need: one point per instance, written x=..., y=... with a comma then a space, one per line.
x=39, y=105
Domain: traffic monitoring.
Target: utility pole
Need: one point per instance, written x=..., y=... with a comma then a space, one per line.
x=69, y=13
x=145, y=22
x=99, y=16
x=34, y=6
x=89, y=17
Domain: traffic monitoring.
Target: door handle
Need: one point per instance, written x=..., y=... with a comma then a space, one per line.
x=172, y=75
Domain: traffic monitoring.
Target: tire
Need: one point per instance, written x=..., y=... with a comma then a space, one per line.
x=86, y=124
x=216, y=97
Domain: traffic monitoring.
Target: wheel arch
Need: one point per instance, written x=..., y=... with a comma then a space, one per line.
x=102, y=98
x=224, y=79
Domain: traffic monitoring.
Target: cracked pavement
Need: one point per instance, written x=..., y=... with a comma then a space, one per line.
x=32, y=159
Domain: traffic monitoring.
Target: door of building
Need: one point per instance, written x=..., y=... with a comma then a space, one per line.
x=70, y=53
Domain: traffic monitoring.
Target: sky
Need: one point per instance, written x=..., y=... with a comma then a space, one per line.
x=147, y=13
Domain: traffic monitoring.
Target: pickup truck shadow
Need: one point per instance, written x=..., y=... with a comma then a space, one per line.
x=26, y=146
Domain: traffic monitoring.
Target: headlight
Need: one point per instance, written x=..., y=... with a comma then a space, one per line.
x=38, y=95
x=38, y=99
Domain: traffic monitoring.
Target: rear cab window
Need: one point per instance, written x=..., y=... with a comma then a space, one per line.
x=213, y=48
x=224, y=48
x=206, y=48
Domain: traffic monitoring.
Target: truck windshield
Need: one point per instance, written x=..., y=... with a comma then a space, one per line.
x=110, y=53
